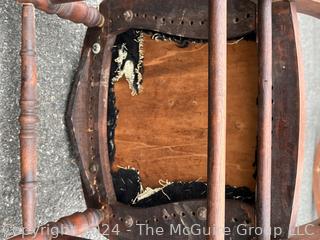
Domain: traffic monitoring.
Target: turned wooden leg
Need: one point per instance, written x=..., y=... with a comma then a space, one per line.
x=28, y=118
x=73, y=225
x=78, y=12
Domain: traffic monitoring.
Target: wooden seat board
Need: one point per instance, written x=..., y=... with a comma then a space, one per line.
x=163, y=131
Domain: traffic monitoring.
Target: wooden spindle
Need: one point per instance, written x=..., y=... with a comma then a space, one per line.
x=77, y=12
x=73, y=225
x=265, y=118
x=28, y=118
x=217, y=117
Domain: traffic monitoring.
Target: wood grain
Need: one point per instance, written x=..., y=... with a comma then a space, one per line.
x=87, y=119
x=163, y=131
x=77, y=12
x=28, y=119
x=288, y=118
x=217, y=118
x=74, y=225
x=263, y=203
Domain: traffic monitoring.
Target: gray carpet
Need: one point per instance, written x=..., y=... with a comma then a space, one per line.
x=58, y=49
x=310, y=36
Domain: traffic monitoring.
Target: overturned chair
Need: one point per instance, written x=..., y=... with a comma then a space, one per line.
x=220, y=119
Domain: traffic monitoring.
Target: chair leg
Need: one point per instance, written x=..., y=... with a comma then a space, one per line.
x=217, y=95
x=28, y=119
x=78, y=12
x=73, y=225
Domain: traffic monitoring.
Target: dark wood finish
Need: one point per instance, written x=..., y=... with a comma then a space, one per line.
x=263, y=203
x=177, y=17
x=162, y=132
x=186, y=214
x=91, y=131
x=74, y=225
x=84, y=100
x=78, y=12
x=217, y=117
x=83, y=119
x=102, y=119
x=87, y=119
x=288, y=118
x=28, y=118
x=309, y=7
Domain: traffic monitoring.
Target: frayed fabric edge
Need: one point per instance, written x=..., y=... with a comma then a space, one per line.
x=126, y=68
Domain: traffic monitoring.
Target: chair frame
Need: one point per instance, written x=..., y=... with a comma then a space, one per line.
x=280, y=134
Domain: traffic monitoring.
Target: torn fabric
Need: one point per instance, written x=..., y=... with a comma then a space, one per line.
x=127, y=56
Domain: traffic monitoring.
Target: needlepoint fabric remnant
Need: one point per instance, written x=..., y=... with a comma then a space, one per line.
x=129, y=190
x=127, y=55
